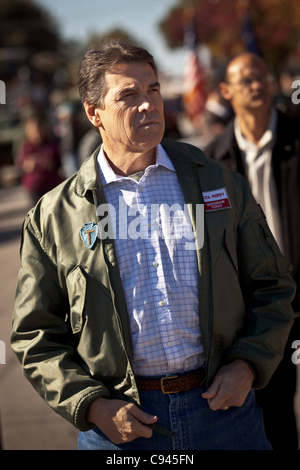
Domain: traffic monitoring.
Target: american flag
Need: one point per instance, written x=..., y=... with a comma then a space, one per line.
x=194, y=94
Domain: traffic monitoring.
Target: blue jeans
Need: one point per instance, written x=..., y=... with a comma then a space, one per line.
x=194, y=424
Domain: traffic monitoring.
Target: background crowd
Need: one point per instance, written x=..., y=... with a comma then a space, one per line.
x=44, y=134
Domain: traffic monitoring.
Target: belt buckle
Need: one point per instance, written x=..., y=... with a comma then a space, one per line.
x=163, y=386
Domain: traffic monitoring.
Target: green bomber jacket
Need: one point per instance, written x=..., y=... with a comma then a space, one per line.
x=71, y=329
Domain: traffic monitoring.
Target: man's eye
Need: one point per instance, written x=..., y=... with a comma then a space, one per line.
x=127, y=94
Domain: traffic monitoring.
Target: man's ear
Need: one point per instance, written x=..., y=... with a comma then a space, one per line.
x=225, y=91
x=93, y=113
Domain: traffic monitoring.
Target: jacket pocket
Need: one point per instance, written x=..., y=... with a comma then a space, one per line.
x=76, y=285
x=276, y=262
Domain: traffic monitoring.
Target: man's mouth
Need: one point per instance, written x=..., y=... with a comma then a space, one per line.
x=259, y=96
x=149, y=123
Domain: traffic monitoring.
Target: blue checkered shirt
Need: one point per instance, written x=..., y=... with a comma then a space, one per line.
x=158, y=274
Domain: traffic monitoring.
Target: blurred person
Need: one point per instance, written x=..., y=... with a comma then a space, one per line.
x=217, y=114
x=283, y=99
x=63, y=129
x=39, y=158
x=140, y=342
x=263, y=145
x=70, y=128
x=172, y=107
x=88, y=144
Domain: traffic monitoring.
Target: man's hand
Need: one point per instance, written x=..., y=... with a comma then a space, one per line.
x=120, y=421
x=231, y=386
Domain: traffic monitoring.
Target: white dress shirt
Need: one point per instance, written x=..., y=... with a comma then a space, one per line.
x=258, y=165
x=159, y=276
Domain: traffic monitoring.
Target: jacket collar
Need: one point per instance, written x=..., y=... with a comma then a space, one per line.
x=227, y=141
x=226, y=150
x=184, y=152
x=88, y=179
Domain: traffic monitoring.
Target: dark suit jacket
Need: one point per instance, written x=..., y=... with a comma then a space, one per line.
x=286, y=167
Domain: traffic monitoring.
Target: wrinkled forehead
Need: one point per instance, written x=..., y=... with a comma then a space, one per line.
x=130, y=74
x=130, y=68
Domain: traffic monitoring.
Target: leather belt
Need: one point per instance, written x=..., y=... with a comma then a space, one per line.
x=173, y=384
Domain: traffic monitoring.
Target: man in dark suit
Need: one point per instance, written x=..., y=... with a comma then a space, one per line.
x=263, y=145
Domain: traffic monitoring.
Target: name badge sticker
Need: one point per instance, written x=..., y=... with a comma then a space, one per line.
x=216, y=200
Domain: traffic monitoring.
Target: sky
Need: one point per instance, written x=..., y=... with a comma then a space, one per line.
x=79, y=18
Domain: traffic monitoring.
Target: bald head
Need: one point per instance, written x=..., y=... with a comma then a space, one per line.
x=245, y=59
x=247, y=84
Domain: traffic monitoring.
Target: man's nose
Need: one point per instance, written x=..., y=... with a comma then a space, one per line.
x=146, y=104
x=257, y=84
x=260, y=82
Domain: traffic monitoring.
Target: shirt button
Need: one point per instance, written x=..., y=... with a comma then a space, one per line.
x=148, y=225
x=155, y=264
x=161, y=303
x=141, y=189
x=170, y=344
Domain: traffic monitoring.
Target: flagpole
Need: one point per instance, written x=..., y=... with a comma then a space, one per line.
x=194, y=86
x=248, y=35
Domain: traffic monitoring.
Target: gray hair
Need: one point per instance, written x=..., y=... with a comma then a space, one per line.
x=100, y=60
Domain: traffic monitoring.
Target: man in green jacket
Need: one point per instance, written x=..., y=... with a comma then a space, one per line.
x=152, y=338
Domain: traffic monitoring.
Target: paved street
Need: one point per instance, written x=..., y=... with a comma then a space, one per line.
x=27, y=422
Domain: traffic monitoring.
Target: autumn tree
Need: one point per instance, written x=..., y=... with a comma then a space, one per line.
x=219, y=24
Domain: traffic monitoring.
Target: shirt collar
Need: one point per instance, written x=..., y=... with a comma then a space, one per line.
x=107, y=175
x=268, y=136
